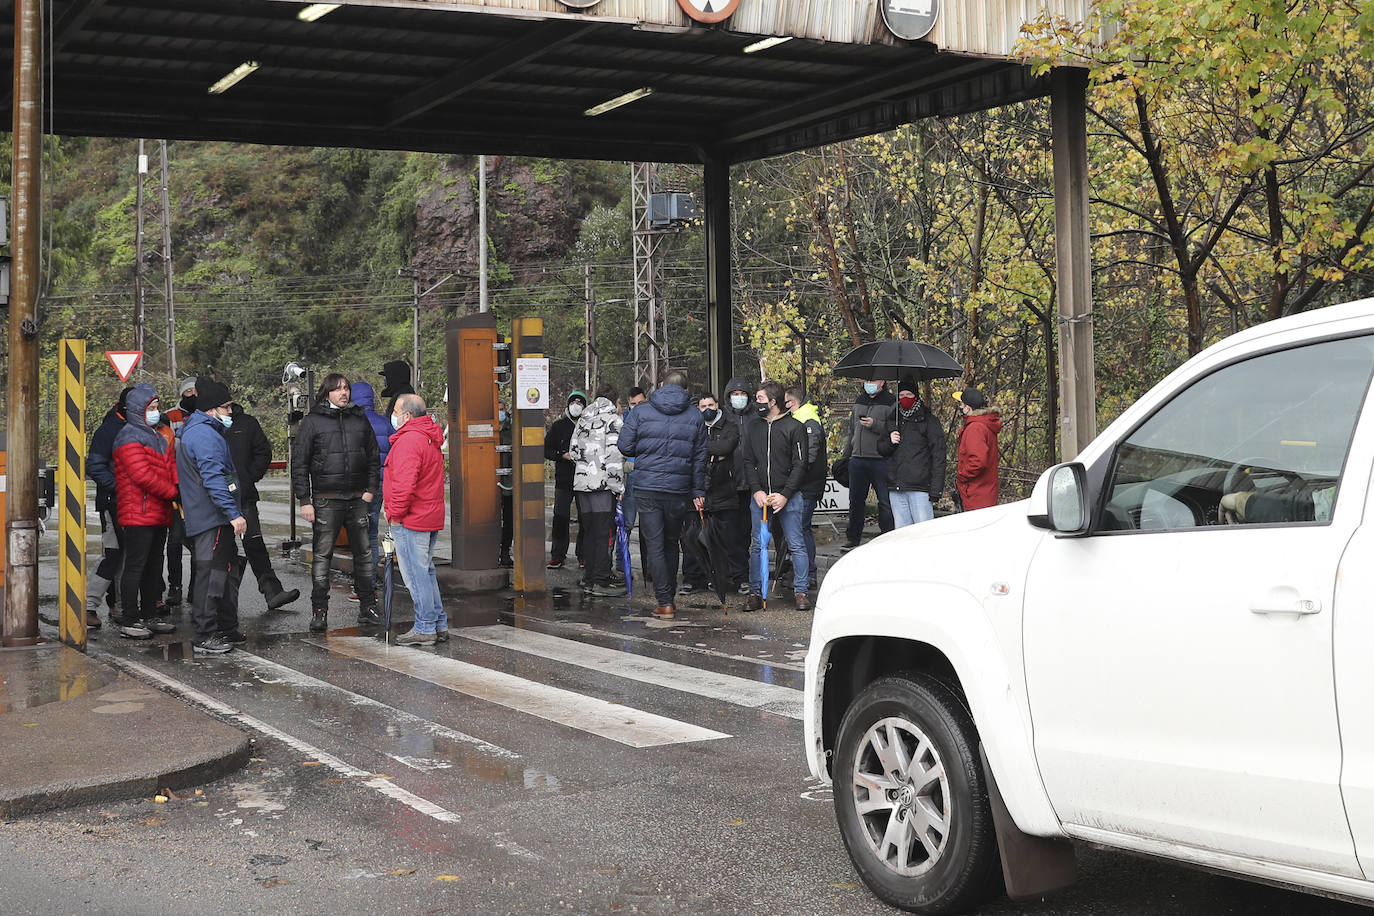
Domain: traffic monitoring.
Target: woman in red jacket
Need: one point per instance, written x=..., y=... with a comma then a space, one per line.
x=145, y=485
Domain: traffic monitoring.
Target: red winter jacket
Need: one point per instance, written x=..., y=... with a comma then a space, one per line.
x=413, y=485
x=145, y=484
x=978, y=456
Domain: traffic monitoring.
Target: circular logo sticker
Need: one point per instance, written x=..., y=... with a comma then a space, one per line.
x=532, y=395
x=909, y=19
x=708, y=10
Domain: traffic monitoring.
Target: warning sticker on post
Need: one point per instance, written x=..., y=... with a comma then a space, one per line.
x=532, y=384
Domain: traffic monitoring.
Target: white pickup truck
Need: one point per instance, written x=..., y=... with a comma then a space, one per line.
x=1168, y=649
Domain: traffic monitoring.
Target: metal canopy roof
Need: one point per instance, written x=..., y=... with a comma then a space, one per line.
x=471, y=79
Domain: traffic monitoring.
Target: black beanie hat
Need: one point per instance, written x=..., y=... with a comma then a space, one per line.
x=210, y=393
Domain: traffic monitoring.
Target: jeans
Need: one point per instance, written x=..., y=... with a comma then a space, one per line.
x=862, y=473
x=415, y=556
x=140, y=586
x=331, y=514
x=218, y=572
x=808, y=511
x=660, y=520
x=910, y=507
x=790, y=518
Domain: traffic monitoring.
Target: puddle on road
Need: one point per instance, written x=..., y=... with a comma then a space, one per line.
x=46, y=674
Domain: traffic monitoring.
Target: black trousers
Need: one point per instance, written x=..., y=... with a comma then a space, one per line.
x=562, y=520
x=218, y=571
x=255, y=548
x=739, y=538
x=507, y=522
x=331, y=514
x=596, y=515
x=140, y=587
x=176, y=538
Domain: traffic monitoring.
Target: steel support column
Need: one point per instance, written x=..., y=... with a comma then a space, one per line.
x=1073, y=256
x=21, y=420
x=720, y=325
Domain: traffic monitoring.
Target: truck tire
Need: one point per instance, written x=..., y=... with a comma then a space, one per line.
x=911, y=797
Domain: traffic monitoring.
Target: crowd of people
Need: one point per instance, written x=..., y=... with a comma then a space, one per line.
x=675, y=464
x=706, y=481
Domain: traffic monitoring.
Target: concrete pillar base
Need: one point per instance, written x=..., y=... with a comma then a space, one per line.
x=468, y=581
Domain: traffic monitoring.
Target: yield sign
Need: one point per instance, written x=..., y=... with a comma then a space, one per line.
x=124, y=362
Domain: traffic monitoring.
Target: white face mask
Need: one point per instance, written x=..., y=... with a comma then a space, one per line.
x=870, y=388
x=397, y=421
x=738, y=401
x=574, y=410
x=152, y=416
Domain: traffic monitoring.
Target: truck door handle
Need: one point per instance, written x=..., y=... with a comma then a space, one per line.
x=1297, y=607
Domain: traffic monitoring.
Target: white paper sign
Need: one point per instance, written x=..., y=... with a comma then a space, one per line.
x=532, y=384
x=835, y=498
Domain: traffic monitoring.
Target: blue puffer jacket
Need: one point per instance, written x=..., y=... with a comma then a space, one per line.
x=362, y=394
x=205, y=471
x=666, y=437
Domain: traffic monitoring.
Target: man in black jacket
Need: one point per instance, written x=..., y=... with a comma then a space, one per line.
x=817, y=468
x=252, y=455
x=775, y=458
x=100, y=468
x=738, y=408
x=916, y=467
x=869, y=425
x=335, y=474
x=556, y=445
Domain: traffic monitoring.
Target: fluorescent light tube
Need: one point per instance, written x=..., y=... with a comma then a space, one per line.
x=766, y=43
x=619, y=100
x=316, y=10
x=233, y=76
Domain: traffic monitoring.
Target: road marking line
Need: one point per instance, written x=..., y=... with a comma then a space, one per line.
x=616, y=721
x=629, y=637
x=784, y=701
x=300, y=679
x=384, y=786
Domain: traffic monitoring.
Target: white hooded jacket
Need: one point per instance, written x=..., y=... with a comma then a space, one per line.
x=600, y=466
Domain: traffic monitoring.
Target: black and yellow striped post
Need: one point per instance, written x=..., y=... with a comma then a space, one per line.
x=71, y=492
x=527, y=341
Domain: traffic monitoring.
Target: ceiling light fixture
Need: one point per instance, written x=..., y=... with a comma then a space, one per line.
x=316, y=10
x=619, y=100
x=764, y=44
x=233, y=76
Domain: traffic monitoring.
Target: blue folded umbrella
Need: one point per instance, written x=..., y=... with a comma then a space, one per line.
x=765, y=536
x=622, y=538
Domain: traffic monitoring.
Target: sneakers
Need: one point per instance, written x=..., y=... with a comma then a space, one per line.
x=160, y=625
x=280, y=598
x=665, y=612
x=319, y=621
x=744, y=588
x=412, y=638
x=755, y=603
x=686, y=588
x=555, y=564
x=174, y=596
x=133, y=630
x=607, y=590
x=234, y=637
x=506, y=561
x=212, y=645
x=353, y=596
x=441, y=635
x=803, y=601
x=581, y=564
x=367, y=617
x=92, y=620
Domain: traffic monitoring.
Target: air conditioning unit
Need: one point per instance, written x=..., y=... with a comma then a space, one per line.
x=668, y=208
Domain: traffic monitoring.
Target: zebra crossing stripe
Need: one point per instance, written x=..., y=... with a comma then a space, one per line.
x=629, y=726
x=70, y=492
x=774, y=698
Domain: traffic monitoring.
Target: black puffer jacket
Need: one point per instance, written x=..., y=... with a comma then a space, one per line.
x=556, y=443
x=918, y=461
x=336, y=454
x=100, y=460
x=722, y=445
x=251, y=451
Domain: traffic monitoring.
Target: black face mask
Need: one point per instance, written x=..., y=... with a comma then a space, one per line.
x=762, y=409
x=710, y=414
x=188, y=404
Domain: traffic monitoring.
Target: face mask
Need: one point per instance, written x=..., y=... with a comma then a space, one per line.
x=574, y=410
x=188, y=404
x=738, y=401
x=501, y=415
x=152, y=416
x=228, y=421
x=870, y=388
x=762, y=409
x=396, y=422
x=710, y=414
x=907, y=401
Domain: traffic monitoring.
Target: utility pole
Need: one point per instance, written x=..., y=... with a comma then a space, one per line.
x=20, y=618
x=589, y=357
x=482, y=304
x=153, y=271
x=648, y=263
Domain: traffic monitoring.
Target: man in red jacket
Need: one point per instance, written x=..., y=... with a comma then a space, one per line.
x=978, y=453
x=413, y=499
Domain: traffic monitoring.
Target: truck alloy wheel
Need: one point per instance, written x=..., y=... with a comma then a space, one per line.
x=911, y=797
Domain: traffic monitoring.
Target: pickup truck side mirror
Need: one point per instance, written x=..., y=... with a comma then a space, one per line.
x=1059, y=502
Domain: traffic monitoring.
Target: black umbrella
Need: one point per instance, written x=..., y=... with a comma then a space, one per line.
x=887, y=359
x=715, y=552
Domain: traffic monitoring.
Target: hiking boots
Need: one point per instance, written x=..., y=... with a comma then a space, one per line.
x=412, y=638
x=803, y=602
x=754, y=603
x=278, y=597
x=441, y=635
x=319, y=621
x=367, y=617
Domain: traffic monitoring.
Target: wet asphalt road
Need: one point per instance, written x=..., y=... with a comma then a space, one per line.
x=567, y=755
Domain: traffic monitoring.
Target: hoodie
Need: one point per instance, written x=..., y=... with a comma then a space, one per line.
x=559, y=440
x=666, y=437
x=209, y=487
x=976, y=473
x=741, y=418
x=599, y=463
x=144, y=467
x=413, y=488
x=361, y=393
